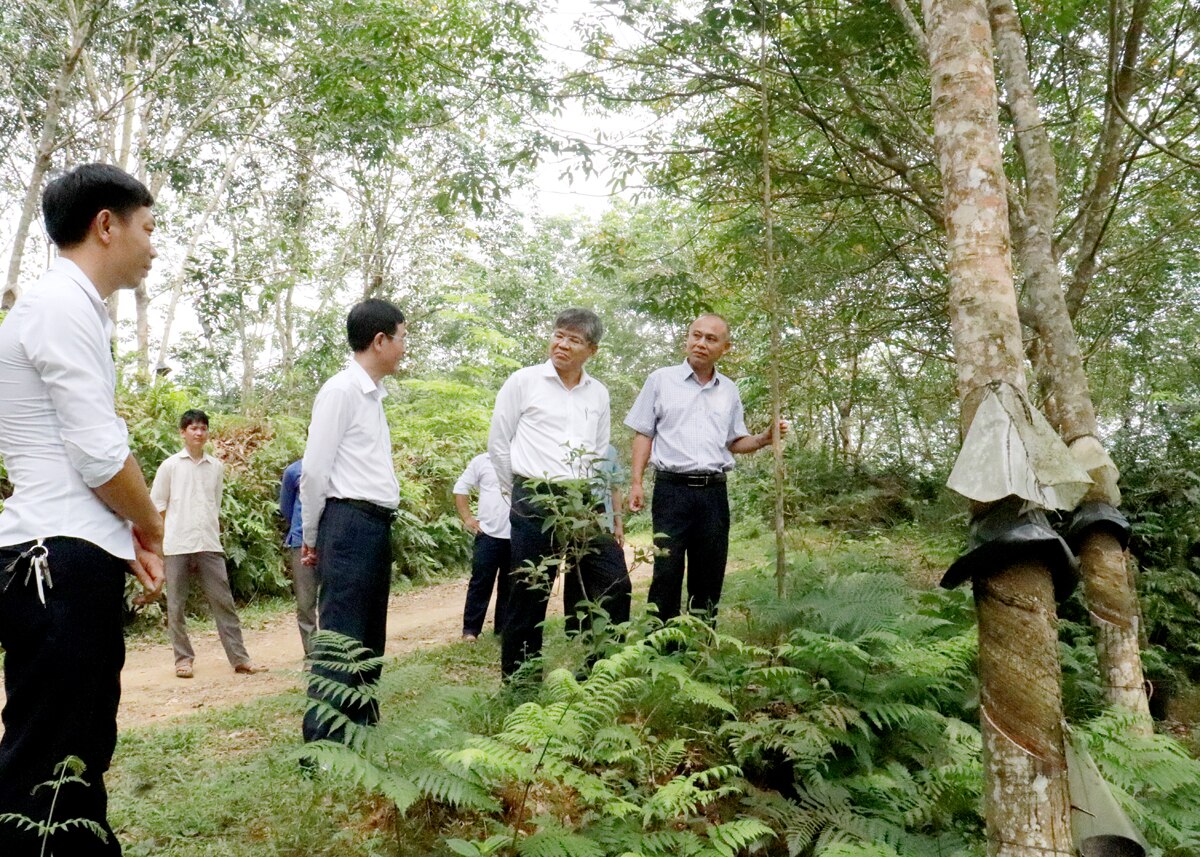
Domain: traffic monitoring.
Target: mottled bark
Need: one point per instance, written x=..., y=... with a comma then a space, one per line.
x=1056, y=355
x=1025, y=786
x=1112, y=606
x=983, y=309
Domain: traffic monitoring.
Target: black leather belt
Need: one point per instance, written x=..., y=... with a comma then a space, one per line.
x=383, y=513
x=692, y=480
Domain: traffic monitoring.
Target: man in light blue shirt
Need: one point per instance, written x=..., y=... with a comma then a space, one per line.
x=304, y=577
x=688, y=424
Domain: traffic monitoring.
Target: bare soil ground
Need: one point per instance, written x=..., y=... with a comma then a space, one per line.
x=151, y=694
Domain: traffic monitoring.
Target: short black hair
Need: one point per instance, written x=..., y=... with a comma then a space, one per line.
x=370, y=318
x=192, y=415
x=583, y=321
x=71, y=202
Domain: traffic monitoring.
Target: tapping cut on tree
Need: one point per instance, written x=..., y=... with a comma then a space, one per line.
x=1025, y=790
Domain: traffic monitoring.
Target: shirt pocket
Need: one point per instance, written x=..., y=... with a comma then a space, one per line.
x=720, y=415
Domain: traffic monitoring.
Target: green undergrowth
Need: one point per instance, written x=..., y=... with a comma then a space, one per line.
x=228, y=782
x=837, y=720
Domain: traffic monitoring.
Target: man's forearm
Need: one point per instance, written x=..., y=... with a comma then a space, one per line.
x=126, y=495
x=750, y=443
x=639, y=457
x=462, y=504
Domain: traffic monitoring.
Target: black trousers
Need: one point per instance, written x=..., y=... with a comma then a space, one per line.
x=490, y=567
x=62, y=675
x=601, y=569
x=354, y=571
x=693, y=526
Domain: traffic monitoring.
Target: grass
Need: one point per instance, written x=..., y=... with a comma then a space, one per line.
x=226, y=783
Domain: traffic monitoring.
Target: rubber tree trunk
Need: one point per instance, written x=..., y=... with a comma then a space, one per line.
x=56, y=98
x=1025, y=789
x=199, y=231
x=1112, y=602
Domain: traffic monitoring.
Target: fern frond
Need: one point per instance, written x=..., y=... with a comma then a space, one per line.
x=733, y=837
x=462, y=791
x=353, y=768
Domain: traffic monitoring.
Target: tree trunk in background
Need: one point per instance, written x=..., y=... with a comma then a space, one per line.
x=768, y=208
x=1025, y=789
x=81, y=33
x=1112, y=603
x=200, y=229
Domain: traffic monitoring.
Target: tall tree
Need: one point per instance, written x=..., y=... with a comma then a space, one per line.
x=1025, y=792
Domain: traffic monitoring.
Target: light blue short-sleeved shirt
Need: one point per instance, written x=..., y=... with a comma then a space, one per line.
x=692, y=424
x=609, y=469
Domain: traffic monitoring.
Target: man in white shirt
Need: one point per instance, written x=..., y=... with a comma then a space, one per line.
x=688, y=423
x=79, y=517
x=348, y=498
x=549, y=428
x=490, y=556
x=187, y=491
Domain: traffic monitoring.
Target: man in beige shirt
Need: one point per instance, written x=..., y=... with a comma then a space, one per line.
x=187, y=491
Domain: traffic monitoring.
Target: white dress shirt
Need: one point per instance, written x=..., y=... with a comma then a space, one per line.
x=493, y=507
x=189, y=491
x=538, y=422
x=59, y=434
x=692, y=424
x=349, y=450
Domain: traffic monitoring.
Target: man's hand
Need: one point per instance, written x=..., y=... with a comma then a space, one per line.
x=619, y=531
x=308, y=556
x=766, y=438
x=637, y=497
x=472, y=525
x=147, y=566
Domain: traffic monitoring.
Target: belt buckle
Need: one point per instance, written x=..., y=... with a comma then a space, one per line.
x=698, y=480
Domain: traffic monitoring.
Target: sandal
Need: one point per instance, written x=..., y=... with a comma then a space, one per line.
x=183, y=671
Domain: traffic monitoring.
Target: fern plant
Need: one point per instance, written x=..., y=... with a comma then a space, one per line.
x=1153, y=778
x=67, y=772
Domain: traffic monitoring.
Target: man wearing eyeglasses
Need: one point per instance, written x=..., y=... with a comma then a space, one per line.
x=549, y=429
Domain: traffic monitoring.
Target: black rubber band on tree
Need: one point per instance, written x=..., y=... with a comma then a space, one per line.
x=1094, y=515
x=1008, y=532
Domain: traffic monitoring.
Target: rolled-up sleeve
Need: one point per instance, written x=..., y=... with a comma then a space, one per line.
x=69, y=350
x=330, y=420
x=641, y=416
x=505, y=417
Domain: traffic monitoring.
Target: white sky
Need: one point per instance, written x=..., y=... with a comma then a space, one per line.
x=590, y=195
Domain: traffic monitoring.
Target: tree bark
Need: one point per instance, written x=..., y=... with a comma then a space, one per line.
x=768, y=210
x=1025, y=785
x=1021, y=714
x=81, y=33
x=1094, y=211
x=1112, y=603
x=210, y=209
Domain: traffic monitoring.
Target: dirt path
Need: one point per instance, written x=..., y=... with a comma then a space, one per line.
x=151, y=694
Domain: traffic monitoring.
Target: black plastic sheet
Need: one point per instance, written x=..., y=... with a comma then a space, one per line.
x=1011, y=531
x=1097, y=515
